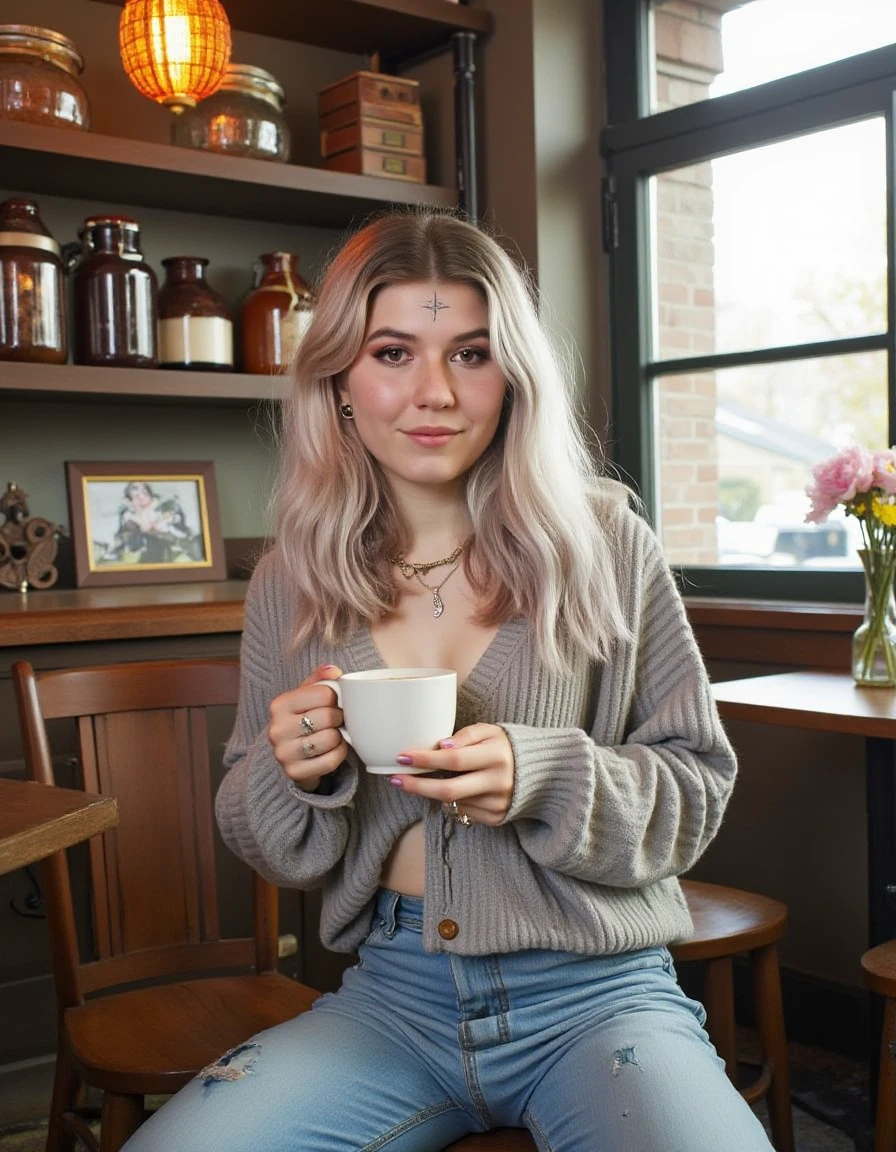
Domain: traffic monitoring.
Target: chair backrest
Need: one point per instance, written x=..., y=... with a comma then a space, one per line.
x=142, y=736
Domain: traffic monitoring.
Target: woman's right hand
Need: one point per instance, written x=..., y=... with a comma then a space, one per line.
x=305, y=756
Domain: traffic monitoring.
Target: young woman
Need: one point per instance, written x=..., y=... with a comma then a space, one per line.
x=512, y=906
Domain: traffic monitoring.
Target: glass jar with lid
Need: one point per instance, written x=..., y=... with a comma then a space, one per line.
x=39, y=83
x=116, y=296
x=195, y=328
x=32, y=309
x=243, y=118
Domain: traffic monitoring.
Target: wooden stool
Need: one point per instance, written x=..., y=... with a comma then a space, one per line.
x=727, y=922
x=879, y=975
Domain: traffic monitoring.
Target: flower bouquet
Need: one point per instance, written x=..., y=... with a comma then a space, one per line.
x=865, y=484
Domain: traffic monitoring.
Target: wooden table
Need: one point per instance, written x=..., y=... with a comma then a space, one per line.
x=831, y=702
x=37, y=820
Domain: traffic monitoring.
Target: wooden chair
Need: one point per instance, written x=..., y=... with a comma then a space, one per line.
x=727, y=923
x=879, y=975
x=142, y=735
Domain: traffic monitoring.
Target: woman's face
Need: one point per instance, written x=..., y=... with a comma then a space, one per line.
x=426, y=393
x=140, y=495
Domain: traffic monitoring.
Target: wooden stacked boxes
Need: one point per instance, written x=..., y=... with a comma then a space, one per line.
x=373, y=124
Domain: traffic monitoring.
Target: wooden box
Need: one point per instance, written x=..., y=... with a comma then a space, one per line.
x=371, y=95
x=376, y=162
x=386, y=135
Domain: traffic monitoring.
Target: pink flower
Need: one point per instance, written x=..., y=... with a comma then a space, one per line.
x=838, y=480
x=884, y=464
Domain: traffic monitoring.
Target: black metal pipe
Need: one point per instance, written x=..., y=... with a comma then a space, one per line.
x=464, y=44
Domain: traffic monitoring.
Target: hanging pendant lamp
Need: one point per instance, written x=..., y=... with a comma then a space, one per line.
x=174, y=51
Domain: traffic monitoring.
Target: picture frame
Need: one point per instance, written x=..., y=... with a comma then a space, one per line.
x=144, y=522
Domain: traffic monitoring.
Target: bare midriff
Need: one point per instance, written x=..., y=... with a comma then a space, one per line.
x=410, y=637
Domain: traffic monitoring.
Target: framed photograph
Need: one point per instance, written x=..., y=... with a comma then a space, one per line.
x=144, y=523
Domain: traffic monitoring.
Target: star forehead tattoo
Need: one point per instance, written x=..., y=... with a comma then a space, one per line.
x=435, y=306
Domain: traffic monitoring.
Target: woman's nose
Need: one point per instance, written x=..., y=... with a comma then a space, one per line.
x=435, y=387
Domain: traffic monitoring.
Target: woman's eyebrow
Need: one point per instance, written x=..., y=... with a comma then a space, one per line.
x=391, y=333
x=410, y=338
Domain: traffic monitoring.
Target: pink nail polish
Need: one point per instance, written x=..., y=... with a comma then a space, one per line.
x=404, y=759
x=396, y=781
x=447, y=744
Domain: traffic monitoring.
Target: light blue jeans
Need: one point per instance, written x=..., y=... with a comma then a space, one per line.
x=591, y=1054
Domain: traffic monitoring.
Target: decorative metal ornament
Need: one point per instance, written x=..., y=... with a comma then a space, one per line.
x=28, y=544
x=346, y=412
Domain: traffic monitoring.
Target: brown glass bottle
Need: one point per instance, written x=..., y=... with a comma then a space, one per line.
x=275, y=315
x=116, y=297
x=32, y=308
x=195, y=328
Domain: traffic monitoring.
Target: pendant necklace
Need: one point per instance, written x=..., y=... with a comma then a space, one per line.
x=438, y=606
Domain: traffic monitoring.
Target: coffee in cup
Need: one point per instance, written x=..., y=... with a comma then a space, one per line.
x=389, y=710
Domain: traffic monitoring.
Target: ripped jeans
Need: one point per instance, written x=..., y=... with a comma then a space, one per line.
x=415, y=1050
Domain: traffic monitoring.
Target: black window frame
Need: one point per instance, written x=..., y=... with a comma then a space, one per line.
x=636, y=145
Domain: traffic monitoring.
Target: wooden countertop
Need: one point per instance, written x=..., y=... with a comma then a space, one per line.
x=37, y=820
x=71, y=615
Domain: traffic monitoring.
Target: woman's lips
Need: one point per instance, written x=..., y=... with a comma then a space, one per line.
x=431, y=437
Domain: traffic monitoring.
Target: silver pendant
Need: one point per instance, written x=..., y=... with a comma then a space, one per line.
x=437, y=606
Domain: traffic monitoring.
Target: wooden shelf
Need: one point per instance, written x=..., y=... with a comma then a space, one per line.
x=137, y=385
x=122, y=613
x=74, y=164
x=397, y=29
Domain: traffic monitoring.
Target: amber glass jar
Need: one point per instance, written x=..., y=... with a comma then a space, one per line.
x=32, y=308
x=39, y=72
x=195, y=328
x=243, y=118
x=275, y=315
x=116, y=297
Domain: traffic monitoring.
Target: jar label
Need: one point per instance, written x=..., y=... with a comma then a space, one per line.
x=196, y=340
x=293, y=326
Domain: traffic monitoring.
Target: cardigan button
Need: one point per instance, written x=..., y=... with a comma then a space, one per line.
x=448, y=929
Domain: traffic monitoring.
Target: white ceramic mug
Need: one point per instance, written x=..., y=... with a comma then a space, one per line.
x=389, y=710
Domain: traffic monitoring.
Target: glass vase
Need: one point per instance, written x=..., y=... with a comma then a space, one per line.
x=874, y=641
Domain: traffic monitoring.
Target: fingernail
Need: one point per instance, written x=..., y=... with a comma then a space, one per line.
x=328, y=667
x=403, y=759
x=396, y=781
x=446, y=744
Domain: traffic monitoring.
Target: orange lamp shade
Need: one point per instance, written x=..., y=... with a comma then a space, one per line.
x=174, y=51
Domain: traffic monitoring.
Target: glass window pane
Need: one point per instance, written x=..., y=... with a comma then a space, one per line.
x=735, y=450
x=703, y=50
x=775, y=245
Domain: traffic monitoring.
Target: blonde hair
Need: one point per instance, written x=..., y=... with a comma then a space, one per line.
x=539, y=549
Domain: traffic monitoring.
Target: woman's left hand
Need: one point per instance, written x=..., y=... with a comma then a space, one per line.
x=481, y=756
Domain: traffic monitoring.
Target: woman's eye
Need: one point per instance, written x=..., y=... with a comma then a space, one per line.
x=390, y=355
x=472, y=355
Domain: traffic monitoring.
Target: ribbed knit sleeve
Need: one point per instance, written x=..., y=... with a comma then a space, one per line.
x=644, y=804
x=291, y=837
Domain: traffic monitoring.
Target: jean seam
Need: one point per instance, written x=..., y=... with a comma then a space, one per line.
x=538, y=1133
x=412, y=1122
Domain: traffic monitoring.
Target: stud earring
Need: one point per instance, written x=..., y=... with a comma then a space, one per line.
x=346, y=412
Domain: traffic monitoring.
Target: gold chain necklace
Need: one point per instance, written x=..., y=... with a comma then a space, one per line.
x=409, y=569
x=437, y=606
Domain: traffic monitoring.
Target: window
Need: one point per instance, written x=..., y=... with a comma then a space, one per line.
x=750, y=223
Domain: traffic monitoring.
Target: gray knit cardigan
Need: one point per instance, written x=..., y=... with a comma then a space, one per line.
x=622, y=774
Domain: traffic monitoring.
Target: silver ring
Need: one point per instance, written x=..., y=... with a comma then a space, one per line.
x=307, y=726
x=308, y=749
